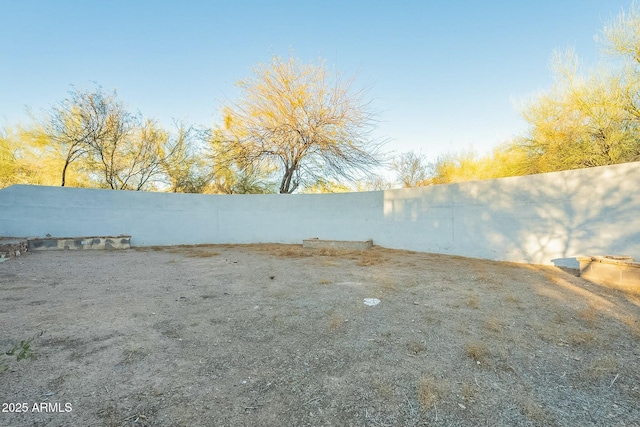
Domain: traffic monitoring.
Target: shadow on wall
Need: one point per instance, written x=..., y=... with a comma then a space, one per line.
x=536, y=219
x=544, y=219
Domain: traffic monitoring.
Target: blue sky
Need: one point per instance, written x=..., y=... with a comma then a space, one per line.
x=445, y=75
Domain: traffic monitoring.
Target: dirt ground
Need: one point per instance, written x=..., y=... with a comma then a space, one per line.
x=276, y=335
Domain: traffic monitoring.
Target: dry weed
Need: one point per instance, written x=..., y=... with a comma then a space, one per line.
x=327, y=252
x=335, y=322
x=149, y=248
x=551, y=333
x=633, y=294
x=430, y=391
x=473, y=302
x=369, y=258
x=132, y=356
x=532, y=409
x=582, y=338
x=416, y=348
x=468, y=391
x=279, y=250
x=629, y=320
x=589, y=314
x=482, y=275
x=550, y=277
x=290, y=251
x=192, y=251
x=325, y=282
x=633, y=324
x=479, y=352
x=512, y=298
x=561, y=317
x=493, y=324
x=198, y=253
x=385, y=282
x=606, y=366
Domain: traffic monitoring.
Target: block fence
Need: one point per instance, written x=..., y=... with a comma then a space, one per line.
x=544, y=219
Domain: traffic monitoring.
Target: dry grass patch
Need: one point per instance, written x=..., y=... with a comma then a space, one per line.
x=551, y=333
x=192, y=251
x=286, y=251
x=581, y=338
x=280, y=249
x=477, y=351
x=633, y=324
x=561, y=317
x=482, y=275
x=430, y=391
x=326, y=252
x=493, y=324
x=589, y=314
x=369, y=258
x=325, y=282
x=149, y=248
x=336, y=322
x=385, y=282
x=201, y=253
x=631, y=292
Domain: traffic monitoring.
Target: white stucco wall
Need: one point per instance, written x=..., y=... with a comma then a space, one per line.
x=537, y=219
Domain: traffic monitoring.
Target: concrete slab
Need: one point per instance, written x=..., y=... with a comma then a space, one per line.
x=358, y=245
x=79, y=243
x=616, y=269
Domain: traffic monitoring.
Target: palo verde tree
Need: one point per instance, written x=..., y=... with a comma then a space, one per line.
x=119, y=149
x=233, y=174
x=26, y=157
x=593, y=118
x=187, y=169
x=9, y=163
x=296, y=120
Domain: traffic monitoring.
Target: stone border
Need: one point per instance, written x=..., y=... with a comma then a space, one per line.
x=11, y=247
x=359, y=245
x=79, y=243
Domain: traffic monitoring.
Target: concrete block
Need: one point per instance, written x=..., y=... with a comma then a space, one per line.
x=357, y=245
x=619, y=270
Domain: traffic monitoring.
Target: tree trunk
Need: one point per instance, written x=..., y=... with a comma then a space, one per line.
x=64, y=173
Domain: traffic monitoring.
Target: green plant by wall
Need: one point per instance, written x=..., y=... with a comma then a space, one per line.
x=21, y=351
